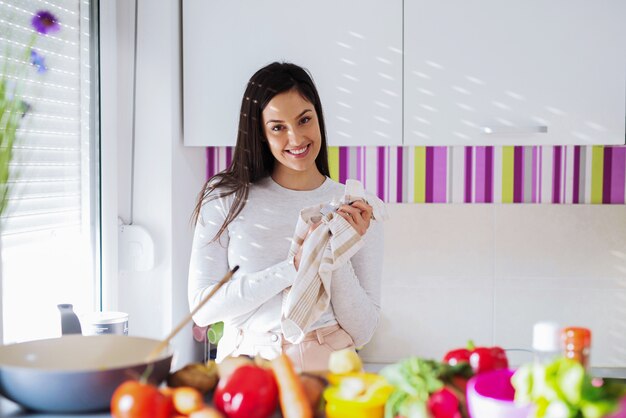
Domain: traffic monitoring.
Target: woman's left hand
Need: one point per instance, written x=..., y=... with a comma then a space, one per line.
x=358, y=214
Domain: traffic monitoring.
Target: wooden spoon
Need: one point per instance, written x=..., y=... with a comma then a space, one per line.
x=163, y=344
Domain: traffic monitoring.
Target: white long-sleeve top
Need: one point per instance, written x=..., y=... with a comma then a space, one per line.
x=258, y=240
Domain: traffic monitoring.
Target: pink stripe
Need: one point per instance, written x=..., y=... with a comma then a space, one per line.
x=534, y=176
x=618, y=174
x=440, y=174
x=479, y=197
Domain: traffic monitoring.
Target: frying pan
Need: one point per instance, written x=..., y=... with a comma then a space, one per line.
x=76, y=373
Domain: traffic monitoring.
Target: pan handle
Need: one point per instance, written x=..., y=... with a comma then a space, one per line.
x=69, y=321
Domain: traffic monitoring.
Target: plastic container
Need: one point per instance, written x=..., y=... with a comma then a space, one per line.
x=99, y=323
x=373, y=406
x=491, y=394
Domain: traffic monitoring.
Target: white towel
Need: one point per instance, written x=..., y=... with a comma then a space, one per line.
x=326, y=248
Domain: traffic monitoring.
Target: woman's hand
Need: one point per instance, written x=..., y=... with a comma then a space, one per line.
x=298, y=256
x=358, y=214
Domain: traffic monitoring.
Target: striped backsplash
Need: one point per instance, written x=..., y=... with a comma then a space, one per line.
x=478, y=174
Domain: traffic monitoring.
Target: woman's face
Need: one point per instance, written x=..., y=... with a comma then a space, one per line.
x=293, y=132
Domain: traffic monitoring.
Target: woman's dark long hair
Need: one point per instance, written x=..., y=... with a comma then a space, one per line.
x=253, y=159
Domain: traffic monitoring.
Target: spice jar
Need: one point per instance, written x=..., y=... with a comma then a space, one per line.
x=577, y=344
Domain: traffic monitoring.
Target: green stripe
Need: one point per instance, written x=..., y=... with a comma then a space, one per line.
x=508, y=162
x=420, y=175
x=333, y=162
x=597, y=173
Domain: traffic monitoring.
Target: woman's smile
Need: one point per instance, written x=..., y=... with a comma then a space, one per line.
x=299, y=152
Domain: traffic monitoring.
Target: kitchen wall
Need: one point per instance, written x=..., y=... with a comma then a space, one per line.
x=487, y=271
x=166, y=176
x=484, y=271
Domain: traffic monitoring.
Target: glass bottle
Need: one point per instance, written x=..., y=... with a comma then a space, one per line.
x=577, y=344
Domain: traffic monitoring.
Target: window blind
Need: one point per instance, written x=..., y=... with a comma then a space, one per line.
x=49, y=184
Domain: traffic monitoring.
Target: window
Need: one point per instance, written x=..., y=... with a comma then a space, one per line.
x=50, y=230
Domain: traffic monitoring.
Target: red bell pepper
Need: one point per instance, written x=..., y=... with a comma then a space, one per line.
x=249, y=392
x=454, y=357
x=484, y=359
x=481, y=359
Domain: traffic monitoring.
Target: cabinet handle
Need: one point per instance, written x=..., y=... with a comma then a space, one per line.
x=497, y=130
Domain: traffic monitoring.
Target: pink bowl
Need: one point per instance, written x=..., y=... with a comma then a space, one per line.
x=621, y=412
x=490, y=395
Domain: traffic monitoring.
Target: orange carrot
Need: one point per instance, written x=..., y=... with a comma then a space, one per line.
x=293, y=400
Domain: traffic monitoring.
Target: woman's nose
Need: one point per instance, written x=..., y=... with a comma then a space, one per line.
x=292, y=134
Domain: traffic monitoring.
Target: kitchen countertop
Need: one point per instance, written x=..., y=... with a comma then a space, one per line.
x=10, y=409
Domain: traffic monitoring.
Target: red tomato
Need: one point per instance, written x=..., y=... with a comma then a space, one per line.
x=134, y=399
x=249, y=392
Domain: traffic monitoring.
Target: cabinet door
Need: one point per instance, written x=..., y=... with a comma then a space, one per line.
x=353, y=48
x=515, y=72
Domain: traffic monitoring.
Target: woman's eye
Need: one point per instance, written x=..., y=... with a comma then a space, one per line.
x=277, y=128
x=305, y=119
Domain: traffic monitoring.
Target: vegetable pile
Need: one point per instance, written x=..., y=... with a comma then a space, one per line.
x=563, y=389
x=430, y=388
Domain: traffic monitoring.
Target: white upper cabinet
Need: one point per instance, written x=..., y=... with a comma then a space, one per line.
x=514, y=72
x=353, y=48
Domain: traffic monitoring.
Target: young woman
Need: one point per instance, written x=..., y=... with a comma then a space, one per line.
x=246, y=216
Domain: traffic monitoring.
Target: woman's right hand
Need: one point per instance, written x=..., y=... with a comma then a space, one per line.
x=298, y=256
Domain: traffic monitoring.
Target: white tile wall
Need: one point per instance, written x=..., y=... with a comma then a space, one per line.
x=487, y=272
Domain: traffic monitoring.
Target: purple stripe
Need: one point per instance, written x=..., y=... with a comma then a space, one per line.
x=381, y=173
x=606, y=176
x=564, y=175
x=388, y=174
x=343, y=164
x=229, y=156
x=576, y=180
x=489, y=174
x=399, y=169
x=540, y=174
x=518, y=174
x=440, y=174
x=480, y=175
x=617, y=177
x=468, y=175
x=534, y=176
x=429, y=174
x=359, y=174
x=556, y=175
x=210, y=160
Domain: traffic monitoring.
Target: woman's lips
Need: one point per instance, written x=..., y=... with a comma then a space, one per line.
x=299, y=152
